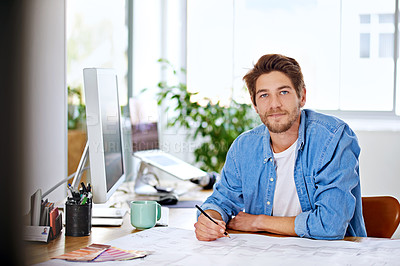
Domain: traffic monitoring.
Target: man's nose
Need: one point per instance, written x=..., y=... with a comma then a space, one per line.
x=275, y=102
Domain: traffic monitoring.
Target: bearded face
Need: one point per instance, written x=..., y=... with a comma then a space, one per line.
x=276, y=101
x=280, y=120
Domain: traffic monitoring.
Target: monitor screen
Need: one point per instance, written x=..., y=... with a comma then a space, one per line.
x=145, y=137
x=106, y=154
x=144, y=118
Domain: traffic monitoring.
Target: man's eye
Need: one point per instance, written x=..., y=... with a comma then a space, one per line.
x=284, y=92
x=263, y=95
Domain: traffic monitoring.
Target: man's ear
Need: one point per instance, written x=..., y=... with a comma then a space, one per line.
x=303, y=97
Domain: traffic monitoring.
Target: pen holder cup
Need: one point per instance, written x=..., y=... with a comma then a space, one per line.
x=78, y=219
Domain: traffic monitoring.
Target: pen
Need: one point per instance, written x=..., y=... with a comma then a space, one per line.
x=205, y=214
x=84, y=199
x=83, y=187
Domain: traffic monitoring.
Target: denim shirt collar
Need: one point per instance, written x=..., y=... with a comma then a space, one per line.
x=300, y=143
x=302, y=130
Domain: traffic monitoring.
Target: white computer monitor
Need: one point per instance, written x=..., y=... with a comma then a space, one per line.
x=104, y=129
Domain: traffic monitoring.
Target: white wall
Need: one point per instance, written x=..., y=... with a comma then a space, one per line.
x=45, y=136
x=380, y=163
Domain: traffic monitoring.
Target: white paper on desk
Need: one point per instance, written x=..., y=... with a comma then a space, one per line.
x=172, y=246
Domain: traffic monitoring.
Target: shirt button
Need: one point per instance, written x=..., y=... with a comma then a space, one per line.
x=268, y=203
x=271, y=179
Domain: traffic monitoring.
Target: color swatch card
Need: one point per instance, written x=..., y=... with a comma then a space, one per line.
x=84, y=254
x=101, y=253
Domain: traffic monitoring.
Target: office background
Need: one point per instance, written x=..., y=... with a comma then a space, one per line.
x=43, y=98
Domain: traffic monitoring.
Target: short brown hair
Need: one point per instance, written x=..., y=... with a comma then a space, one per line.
x=274, y=62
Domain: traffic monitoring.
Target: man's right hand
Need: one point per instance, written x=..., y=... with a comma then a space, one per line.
x=206, y=230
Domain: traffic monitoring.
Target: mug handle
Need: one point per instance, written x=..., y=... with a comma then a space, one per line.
x=158, y=211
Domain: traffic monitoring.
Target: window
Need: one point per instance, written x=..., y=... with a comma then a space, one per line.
x=97, y=36
x=158, y=32
x=365, y=45
x=367, y=83
x=346, y=49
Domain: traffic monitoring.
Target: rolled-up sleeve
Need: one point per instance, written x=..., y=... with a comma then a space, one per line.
x=335, y=182
x=227, y=197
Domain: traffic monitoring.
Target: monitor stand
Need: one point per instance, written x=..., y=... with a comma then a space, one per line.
x=147, y=182
x=79, y=170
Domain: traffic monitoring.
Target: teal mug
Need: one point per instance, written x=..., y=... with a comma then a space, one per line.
x=145, y=214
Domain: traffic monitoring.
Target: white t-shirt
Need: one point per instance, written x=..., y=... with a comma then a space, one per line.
x=286, y=200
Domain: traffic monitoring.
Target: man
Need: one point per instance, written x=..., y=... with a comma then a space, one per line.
x=296, y=174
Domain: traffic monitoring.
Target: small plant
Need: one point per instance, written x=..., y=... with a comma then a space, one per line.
x=76, y=108
x=218, y=125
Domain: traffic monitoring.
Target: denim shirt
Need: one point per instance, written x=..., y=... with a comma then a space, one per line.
x=326, y=176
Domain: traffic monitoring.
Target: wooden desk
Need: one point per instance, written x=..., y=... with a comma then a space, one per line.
x=178, y=217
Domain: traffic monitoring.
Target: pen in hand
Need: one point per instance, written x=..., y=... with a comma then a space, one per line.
x=206, y=215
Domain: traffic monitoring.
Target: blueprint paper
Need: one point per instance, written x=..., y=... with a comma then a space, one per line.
x=173, y=246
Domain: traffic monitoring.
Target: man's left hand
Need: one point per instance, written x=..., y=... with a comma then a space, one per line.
x=244, y=222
